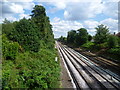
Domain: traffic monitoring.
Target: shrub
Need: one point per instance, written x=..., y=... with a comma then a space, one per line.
x=88, y=45
x=112, y=41
x=26, y=34
x=115, y=51
x=32, y=70
x=119, y=41
x=101, y=46
x=9, y=49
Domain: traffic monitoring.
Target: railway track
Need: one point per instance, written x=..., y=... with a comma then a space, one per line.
x=87, y=74
x=97, y=65
x=114, y=67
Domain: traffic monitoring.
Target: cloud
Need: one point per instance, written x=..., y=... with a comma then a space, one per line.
x=90, y=24
x=111, y=23
x=82, y=11
x=75, y=0
x=56, y=6
x=17, y=0
x=24, y=15
x=13, y=8
x=61, y=27
x=85, y=9
x=56, y=19
x=9, y=7
x=111, y=9
x=60, y=5
x=110, y=0
x=10, y=18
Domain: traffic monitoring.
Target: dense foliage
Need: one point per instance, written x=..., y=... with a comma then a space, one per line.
x=101, y=34
x=29, y=53
x=45, y=28
x=62, y=39
x=115, y=51
x=78, y=37
x=112, y=41
x=26, y=34
x=88, y=45
x=9, y=48
x=71, y=36
x=32, y=71
x=7, y=27
x=81, y=37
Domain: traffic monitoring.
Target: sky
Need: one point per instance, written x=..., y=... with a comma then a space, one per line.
x=66, y=15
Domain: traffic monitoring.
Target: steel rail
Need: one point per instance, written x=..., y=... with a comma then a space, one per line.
x=99, y=71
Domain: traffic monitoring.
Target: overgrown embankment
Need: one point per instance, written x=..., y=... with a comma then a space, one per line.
x=28, y=53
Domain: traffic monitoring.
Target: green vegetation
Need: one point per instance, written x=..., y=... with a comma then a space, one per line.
x=45, y=32
x=114, y=51
x=62, y=39
x=112, y=41
x=71, y=36
x=101, y=34
x=32, y=71
x=103, y=41
x=29, y=53
x=79, y=38
x=25, y=33
x=9, y=48
x=88, y=45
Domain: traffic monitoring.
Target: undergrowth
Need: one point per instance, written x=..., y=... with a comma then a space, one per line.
x=31, y=70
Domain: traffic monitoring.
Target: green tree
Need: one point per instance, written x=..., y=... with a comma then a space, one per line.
x=6, y=21
x=49, y=37
x=101, y=34
x=62, y=39
x=112, y=41
x=7, y=27
x=38, y=17
x=26, y=35
x=71, y=36
x=44, y=27
x=119, y=41
x=89, y=37
x=82, y=36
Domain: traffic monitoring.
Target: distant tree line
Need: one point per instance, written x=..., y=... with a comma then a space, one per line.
x=101, y=40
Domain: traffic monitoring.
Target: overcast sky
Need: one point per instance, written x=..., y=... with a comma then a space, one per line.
x=66, y=15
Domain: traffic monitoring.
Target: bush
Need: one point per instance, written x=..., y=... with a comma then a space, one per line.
x=26, y=34
x=115, y=51
x=10, y=76
x=101, y=46
x=9, y=49
x=88, y=45
x=119, y=41
x=32, y=71
x=112, y=41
